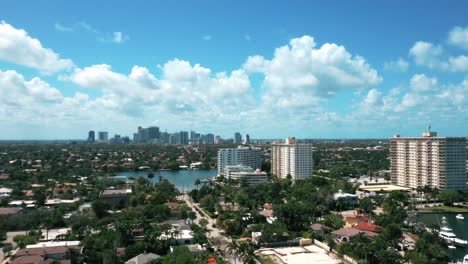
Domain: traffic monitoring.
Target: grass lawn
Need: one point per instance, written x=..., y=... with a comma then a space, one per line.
x=449, y=209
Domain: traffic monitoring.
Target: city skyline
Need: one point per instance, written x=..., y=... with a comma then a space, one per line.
x=270, y=69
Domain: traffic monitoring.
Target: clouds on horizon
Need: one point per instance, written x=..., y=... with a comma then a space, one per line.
x=297, y=83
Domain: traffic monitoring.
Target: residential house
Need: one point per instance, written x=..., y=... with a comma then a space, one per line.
x=364, y=226
x=117, y=197
x=346, y=233
x=43, y=255
x=145, y=258
x=180, y=232
x=5, y=192
x=9, y=210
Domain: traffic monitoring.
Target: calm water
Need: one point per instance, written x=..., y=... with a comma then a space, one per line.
x=183, y=179
x=460, y=228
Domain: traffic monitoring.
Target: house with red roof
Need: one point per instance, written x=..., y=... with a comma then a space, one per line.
x=364, y=226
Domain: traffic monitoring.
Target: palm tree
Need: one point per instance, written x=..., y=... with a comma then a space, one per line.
x=197, y=183
x=232, y=248
x=150, y=176
x=247, y=254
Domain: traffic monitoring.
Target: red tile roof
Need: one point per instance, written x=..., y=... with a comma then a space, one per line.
x=211, y=260
x=363, y=226
x=350, y=232
x=60, y=189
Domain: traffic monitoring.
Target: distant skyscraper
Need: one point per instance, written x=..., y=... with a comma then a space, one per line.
x=247, y=139
x=192, y=134
x=439, y=162
x=91, y=136
x=183, y=137
x=174, y=139
x=103, y=136
x=292, y=158
x=143, y=135
x=209, y=139
x=246, y=156
x=136, y=138
x=153, y=134
x=117, y=139
x=217, y=140
x=164, y=138
x=237, y=138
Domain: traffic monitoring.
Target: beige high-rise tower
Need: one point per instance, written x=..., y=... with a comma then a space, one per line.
x=439, y=162
x=295, y=159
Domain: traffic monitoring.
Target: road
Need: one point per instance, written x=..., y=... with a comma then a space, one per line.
x=215, y=234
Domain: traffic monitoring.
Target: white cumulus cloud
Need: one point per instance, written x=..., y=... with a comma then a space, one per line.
x=422, y=83
x=18, y=47
x=301, y=74
x=458, y=36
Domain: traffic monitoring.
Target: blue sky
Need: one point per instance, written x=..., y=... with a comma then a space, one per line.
x=321, y=69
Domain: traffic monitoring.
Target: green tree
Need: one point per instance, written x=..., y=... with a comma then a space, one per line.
x=392, y=233
x=180, y=255
x=3, y=235
x=39, y=196
x=233, y=248
x=100, y=208
x=366, y=204
x=24, y=240
x=429, y=248
x=247, y=253
x=208, y=203
x=275, y=232
x=449, y=197
x=297, y=216
x=334, y=221
x=150, y=176
x=197, y=183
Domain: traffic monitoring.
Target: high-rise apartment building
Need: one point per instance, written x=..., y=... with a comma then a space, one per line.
x=164, y=138
x=245, y=156
x=439, y=162
x=209, y=139
x=103, y=136
x=153, y=134
x=183, y=138
x=91, y=136
x=143, y=134
x=237, y=138
x=217, y=140
x=192, y=134
x=292, y=158
x=174, y=139
x=247, y=139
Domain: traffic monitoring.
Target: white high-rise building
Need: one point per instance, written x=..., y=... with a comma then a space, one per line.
x=246, y=156
x=292, y=158
x=439, y=162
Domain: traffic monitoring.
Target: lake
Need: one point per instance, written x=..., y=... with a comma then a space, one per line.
x=184, y=180
x=460, y=228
